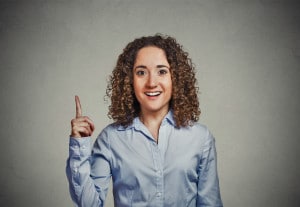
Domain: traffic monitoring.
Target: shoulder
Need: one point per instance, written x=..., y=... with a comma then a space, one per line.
x=105, y=133
x=199, y=127
x=108, y=130
x=196, y=128
x=200, y=131
x=112, y=131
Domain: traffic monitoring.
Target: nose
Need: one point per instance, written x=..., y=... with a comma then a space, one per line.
x=152, y=81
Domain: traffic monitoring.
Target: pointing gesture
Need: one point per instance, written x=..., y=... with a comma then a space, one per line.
x=81, y=126
x=78, y=107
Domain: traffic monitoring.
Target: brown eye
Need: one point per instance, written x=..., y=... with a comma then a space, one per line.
x=140, y=73
x=162, y=72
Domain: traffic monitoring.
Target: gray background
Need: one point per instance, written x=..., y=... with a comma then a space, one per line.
x=247, y=55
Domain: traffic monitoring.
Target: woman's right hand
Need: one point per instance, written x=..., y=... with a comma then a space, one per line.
x=81, y=126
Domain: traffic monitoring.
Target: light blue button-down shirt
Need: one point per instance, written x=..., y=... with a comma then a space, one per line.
x=180, y=170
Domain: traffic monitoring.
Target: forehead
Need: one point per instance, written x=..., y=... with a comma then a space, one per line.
x=150, y=54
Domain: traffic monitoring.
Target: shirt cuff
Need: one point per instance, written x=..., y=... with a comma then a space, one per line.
x=80, y=147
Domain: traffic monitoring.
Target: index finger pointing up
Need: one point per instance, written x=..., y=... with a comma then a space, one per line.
x=78, y=107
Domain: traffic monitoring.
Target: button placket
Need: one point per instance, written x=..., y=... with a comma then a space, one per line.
x=158, y=171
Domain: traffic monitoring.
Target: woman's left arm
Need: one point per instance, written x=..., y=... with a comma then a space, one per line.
x=208, y=183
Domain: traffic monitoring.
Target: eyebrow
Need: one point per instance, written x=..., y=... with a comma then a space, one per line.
x=162, y=66
x=144, y=67
x=140, y=66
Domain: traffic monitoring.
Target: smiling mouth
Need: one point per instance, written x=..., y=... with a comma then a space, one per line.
x=153, y=94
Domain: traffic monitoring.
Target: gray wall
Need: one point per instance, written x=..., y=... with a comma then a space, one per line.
x=247, y=55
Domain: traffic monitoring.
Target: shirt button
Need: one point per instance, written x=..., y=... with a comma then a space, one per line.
x=158, y=194
x=75, y=169
x=83, y=147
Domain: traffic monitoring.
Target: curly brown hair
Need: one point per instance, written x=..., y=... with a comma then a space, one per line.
x=184, y=102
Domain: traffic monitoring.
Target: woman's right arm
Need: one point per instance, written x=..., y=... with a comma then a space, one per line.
x=85, y=190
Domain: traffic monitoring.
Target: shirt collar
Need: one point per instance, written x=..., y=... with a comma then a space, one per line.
x=138, y=125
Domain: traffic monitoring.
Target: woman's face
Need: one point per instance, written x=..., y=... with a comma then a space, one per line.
x=152, y=80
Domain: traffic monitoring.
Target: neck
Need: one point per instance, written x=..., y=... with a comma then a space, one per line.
x=152, y=121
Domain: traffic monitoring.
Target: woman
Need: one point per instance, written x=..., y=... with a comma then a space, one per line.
x=155, y=151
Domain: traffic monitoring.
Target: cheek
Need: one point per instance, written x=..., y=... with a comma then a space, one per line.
x=169, y=84
x=134, y=82
x=137, y=86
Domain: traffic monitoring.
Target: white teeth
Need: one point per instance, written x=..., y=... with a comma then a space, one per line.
x=153, y=93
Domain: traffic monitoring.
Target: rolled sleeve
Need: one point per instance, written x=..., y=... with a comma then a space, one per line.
x=208, y=184
x=83, y=188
